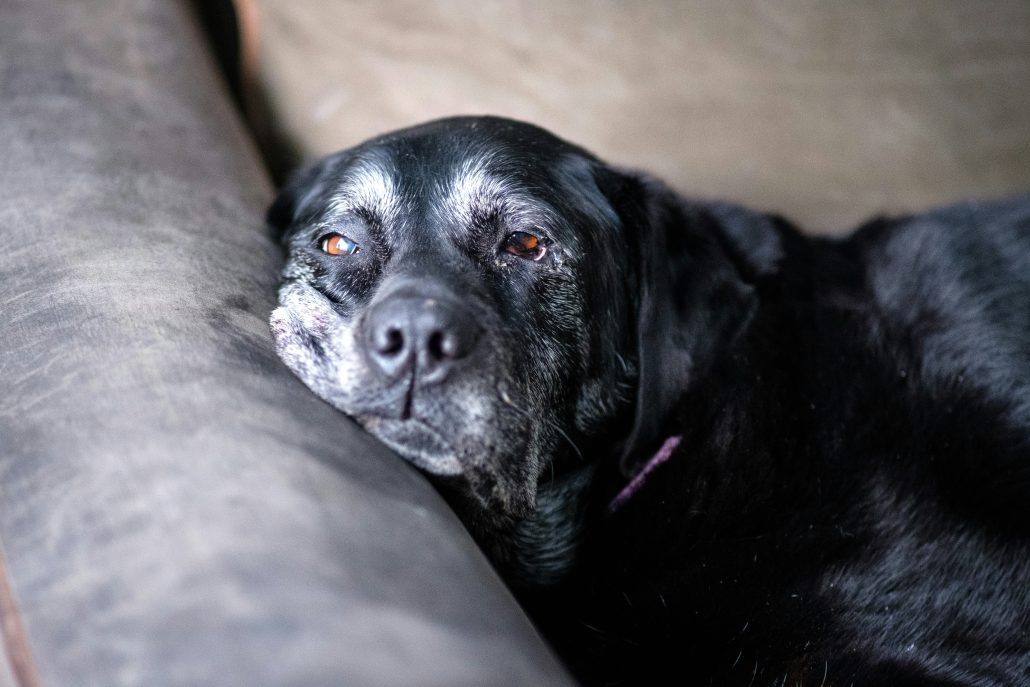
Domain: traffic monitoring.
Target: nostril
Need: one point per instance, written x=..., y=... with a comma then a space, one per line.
x=434, y=346
x=442, y=346
x=389, y=341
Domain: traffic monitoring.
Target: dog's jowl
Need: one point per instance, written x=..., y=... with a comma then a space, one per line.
x=698, y=443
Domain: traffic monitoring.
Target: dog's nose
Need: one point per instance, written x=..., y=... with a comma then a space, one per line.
x=425, y=333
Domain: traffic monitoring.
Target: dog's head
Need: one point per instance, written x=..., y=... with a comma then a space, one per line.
x=495, y=304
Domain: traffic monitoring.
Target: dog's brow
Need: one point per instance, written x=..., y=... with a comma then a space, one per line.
x=368, y=188
x=474, y=188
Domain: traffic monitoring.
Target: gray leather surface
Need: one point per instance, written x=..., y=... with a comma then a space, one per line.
x=174, y=507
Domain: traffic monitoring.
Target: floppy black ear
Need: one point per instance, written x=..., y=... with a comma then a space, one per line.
x=295, y=197
x=692, y=300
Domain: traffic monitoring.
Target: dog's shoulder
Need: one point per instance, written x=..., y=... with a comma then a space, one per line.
x=953, y=288
x=960, y=261
x=951, y=293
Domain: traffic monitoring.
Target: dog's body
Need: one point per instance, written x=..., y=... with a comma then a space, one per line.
x=701, y=444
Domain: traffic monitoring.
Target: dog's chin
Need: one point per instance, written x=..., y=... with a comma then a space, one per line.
x=418, y=443
x=489, y=490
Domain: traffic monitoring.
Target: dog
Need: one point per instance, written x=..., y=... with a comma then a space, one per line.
x=703, y=447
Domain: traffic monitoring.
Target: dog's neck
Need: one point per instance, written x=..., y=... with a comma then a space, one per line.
x=539, y=550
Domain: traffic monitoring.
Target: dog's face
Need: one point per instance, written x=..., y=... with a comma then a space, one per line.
x=470, y=291
x=457, y=289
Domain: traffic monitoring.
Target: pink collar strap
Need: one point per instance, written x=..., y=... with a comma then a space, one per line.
x=638, y=480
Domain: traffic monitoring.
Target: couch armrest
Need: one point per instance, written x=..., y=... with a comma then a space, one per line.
x=174, y=507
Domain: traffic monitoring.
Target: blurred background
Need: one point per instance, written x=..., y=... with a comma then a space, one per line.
x=827, y=112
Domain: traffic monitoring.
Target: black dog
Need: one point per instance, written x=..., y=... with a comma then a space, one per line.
x=702, y=444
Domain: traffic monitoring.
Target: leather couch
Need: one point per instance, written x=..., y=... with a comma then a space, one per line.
x=175, y=508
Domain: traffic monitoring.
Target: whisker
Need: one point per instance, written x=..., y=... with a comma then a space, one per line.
x=507, y=399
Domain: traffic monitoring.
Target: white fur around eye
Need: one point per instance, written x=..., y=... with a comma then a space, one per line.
x=369, y=188
x=474, y=189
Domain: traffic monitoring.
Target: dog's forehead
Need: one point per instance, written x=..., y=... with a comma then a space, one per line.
x=444, y=177
x=464, y=182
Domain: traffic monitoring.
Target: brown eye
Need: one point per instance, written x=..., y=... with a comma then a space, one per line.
x=525, y=245
x=338, y=244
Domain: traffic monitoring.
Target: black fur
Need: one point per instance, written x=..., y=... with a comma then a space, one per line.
x=850, y=500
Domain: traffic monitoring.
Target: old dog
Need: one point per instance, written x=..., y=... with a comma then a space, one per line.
x=697, y=442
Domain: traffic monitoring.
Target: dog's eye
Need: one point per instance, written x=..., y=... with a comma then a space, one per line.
x=338, y=244
x=525, y=245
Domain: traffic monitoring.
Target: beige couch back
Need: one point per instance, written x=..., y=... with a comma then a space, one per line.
x=824, y=111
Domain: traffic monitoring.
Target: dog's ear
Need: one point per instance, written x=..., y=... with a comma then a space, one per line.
x=295, y=196
x=692, y=299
